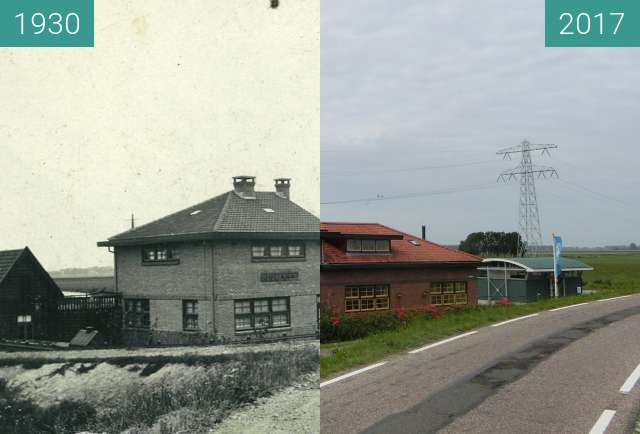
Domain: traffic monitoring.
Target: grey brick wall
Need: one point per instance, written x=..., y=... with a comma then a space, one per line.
x=215, y=274
x=237, y=277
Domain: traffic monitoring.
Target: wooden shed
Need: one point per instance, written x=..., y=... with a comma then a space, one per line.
x=28, y=297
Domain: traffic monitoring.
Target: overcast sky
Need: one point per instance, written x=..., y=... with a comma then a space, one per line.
x=171, y=103
x=447, y=83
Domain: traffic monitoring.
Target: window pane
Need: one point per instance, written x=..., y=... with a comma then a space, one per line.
x=382, y=303
x=260, y=306
x=162, y=255
x=280, y=319
x=368, y=245
x=279, y=305
x=447, y=287
x=354, y=245
x=382, y=245
x=367, y=291
x=352, y=305
x=295, y=251
x=257, y=251
x=367, y=304
x=381, y=291
x=461, y=286
x=243, y=307
x=149, y=254
x=191, y=323
x=243, y=323
x=262, y=320
x=275, y=250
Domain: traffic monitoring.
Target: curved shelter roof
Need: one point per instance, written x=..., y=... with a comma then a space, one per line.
x=542, y=263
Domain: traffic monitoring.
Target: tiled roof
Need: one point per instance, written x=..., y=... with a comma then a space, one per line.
x=229, y=213
x=408, y=250
x=357, y=228
x=7, y=259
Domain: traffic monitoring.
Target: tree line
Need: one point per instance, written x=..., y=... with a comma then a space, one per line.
x=492, y=243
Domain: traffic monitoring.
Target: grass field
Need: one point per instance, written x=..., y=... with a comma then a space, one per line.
x=613, y=275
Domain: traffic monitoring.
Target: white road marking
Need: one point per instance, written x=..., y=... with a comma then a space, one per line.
x=513, y=320
x=631, y=380
x=603, y=422
x=615, y=298
x=567, y=307
x=351, y=374
x=443, y=342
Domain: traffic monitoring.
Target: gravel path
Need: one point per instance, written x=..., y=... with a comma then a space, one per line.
x=295, y=409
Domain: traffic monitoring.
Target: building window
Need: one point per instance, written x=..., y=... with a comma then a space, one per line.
x=190, y=314
x=368, y=246
x=278, y=251
x=366, y=297
x=136, y=313
x=159, y=255
x=262, y=313
x=445, y=293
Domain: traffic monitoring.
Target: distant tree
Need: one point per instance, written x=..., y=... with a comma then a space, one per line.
x=492, y=243
x=633, y=246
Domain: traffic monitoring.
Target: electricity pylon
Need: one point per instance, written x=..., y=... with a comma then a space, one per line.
x=526, y=172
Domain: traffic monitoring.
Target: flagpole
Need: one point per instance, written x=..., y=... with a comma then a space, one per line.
x=555, y=274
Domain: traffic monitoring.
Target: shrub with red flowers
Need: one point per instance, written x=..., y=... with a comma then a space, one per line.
x=358, y=325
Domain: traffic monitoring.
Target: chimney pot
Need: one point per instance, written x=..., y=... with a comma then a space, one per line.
x=424, y=232
x=282, y=187
x=244, y=186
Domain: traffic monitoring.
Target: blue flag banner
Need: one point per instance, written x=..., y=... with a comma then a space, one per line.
x=557, y=248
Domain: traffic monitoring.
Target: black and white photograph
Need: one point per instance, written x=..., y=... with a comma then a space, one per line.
x=159, y=248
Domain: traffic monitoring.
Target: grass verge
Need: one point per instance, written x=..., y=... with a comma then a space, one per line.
x=613, y=276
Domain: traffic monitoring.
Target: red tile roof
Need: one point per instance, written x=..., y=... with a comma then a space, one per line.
x=357, y=228
x=402, y=250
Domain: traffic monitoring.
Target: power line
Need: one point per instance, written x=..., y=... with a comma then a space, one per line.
x=413, y=195
x=405, y=169
x=595, y=193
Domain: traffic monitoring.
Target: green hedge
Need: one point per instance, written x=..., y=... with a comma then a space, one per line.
x=347, y=327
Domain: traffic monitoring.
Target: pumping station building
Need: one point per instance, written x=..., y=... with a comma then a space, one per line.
x=524, y=280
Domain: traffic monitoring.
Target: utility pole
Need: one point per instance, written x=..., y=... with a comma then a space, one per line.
x=526, y=172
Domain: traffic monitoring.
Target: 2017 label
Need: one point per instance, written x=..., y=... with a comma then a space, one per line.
x=592, y=23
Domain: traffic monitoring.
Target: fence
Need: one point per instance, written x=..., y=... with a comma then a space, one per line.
x=104, y=313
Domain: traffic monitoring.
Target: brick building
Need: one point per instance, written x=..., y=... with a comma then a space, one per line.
x=370, y=267
x=240, y=266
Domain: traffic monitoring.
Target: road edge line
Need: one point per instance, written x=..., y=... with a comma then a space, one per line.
x=615, y=298
x=631, y=381
x=515, y=319
x=444, y=341
x=351, y=374
x=569, y=306
x=603, y=422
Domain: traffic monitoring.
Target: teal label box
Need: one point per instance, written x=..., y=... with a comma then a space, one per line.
x=592, y=23
x=46, y=23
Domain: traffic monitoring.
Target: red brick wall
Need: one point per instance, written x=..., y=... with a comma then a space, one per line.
x=408, y=287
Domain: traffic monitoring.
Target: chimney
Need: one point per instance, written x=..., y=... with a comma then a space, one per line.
x=244, y=186
x=282, y=187
x=424, y=232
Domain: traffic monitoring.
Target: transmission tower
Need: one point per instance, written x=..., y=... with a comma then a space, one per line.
x=526, y=173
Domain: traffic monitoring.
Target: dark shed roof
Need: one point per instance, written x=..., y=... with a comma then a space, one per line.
x=7, y=259
x=223, y=215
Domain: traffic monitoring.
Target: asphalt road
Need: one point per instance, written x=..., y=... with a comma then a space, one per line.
x=556, y=372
